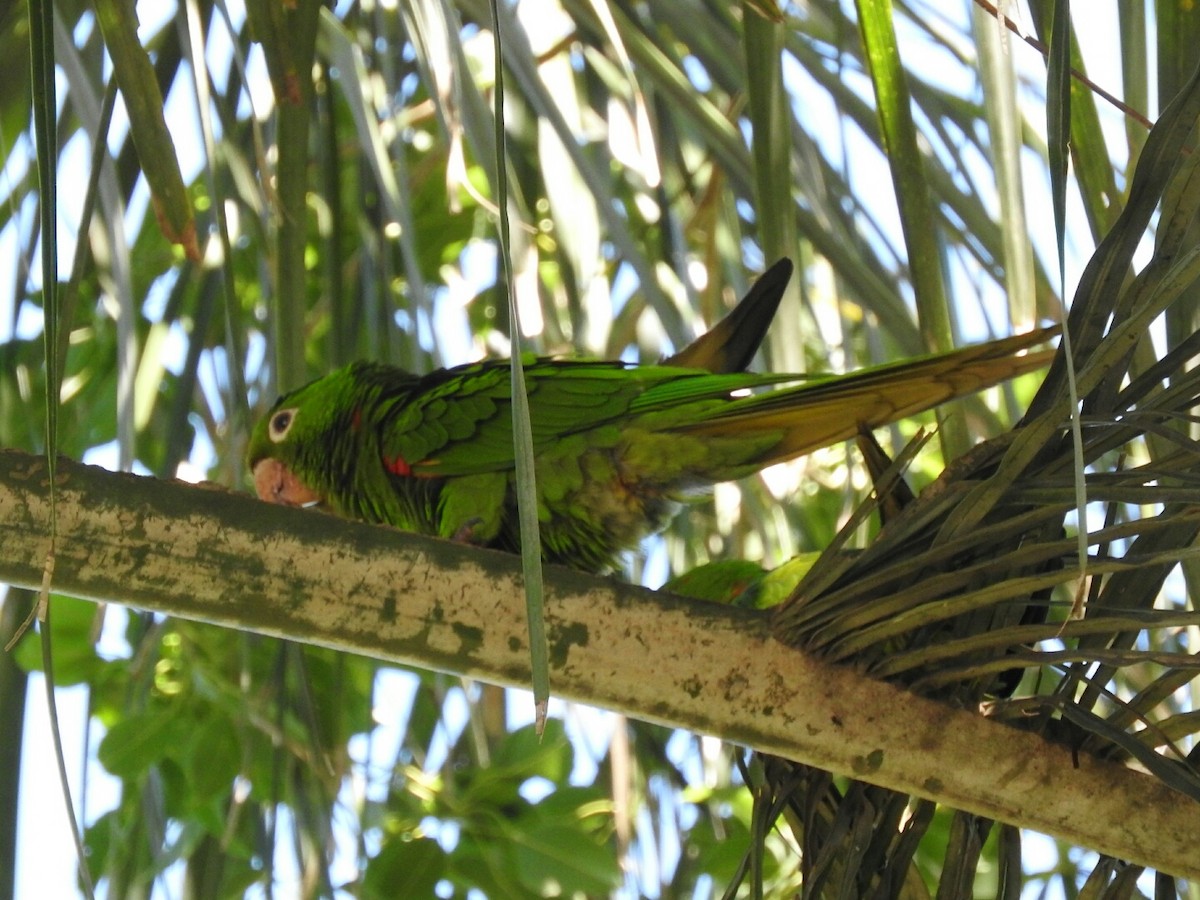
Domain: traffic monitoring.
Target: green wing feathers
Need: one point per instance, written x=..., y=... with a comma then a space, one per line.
x=464, y=427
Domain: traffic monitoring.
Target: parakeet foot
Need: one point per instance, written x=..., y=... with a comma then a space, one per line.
x=466, y=532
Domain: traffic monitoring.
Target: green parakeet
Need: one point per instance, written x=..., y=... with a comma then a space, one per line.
x=617, y=446
x=741, y=583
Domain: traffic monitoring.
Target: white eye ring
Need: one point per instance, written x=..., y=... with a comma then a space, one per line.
x=280, y=424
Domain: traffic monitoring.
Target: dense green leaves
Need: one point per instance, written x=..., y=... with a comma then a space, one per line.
x=75, y=658
x=405, y=868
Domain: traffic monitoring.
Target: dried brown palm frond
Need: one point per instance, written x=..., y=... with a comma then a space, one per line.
x=980, y=576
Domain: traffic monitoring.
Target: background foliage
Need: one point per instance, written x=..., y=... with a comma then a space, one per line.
x=658, y=153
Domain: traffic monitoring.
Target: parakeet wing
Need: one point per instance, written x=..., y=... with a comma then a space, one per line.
x=463, y=425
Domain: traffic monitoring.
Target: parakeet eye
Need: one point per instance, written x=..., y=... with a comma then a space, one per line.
x=280, y=424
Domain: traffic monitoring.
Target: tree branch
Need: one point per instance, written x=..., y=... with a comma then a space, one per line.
x=207, y=554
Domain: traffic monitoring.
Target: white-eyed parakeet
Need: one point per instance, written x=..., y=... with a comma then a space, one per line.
x=617, y=445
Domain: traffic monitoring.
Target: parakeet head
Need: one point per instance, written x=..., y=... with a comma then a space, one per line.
x=302, y=452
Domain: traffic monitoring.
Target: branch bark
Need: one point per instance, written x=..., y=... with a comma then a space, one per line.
x=207, y=554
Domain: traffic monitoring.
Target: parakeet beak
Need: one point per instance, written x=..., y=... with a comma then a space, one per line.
x=275, y=483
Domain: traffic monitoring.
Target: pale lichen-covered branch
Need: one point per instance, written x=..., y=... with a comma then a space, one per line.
x=207, y=554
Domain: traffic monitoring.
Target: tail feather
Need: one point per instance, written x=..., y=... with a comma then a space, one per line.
x=823, y=412
x=730, y=345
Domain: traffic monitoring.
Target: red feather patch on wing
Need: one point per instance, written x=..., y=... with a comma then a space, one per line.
x=397, y=465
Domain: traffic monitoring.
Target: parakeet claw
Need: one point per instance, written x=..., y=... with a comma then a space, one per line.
x=466, y=531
